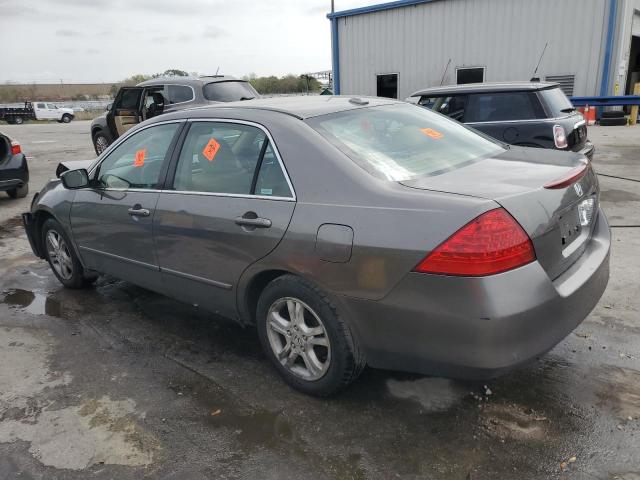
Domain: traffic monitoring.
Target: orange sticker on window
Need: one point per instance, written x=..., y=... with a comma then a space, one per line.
x=211, y=149
x=430, y=132
x=139, y=160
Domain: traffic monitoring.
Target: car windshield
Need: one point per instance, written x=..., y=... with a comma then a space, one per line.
x=401, y=141
x=557, y=102
x=229, y=91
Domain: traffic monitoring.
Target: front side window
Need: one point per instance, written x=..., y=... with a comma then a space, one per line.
x=229, y=91
x=503, y=106
x=399, y=142
x=136, y=162
x=231, y=158
x=130, y=99
x=451, y=106
x=179, y=93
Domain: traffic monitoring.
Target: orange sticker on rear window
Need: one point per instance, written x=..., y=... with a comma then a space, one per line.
x=211, y=149
x=139, y=160
x=430, y=132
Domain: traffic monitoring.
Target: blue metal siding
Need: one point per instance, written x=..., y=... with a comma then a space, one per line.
x=611, y=28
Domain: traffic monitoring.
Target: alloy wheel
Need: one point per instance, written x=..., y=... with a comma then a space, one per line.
x=101, y=144
x=59, y=255
x=298, y=338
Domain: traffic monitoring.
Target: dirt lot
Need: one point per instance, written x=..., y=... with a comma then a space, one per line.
x=115, y=382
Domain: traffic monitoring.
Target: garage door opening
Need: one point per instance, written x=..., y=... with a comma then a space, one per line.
x=387, y=85
x=633, y=75
x=469, y=75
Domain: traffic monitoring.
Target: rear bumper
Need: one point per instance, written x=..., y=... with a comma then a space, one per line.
x=474, y=328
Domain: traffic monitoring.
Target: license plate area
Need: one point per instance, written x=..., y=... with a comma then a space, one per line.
x=570, y=228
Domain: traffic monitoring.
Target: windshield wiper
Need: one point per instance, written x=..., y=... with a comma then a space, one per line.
x=246, y=98
x=568, y=110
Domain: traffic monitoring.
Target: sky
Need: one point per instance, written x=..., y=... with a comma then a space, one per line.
x=87, y=41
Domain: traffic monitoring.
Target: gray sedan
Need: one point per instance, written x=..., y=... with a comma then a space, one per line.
x=349, y=231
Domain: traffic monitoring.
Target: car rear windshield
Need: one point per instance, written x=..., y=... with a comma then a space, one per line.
x=229, y=91
x=401, y=141
x=557, y=102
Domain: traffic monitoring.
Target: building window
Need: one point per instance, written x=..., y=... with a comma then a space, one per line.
x=469, y=75
x=387, y=85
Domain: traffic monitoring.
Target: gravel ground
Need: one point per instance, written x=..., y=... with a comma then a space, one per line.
x=118, y=382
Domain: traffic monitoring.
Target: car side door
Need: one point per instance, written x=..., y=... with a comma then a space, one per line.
x=112, y=220
x=227, y=203
x=125, y=111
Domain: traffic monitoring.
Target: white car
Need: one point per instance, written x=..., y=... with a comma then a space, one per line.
x=48, y=111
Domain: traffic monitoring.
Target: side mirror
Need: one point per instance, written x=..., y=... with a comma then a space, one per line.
x=75, y=179
x=109, y=107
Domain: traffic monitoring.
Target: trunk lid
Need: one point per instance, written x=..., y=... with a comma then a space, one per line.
x=515, y=179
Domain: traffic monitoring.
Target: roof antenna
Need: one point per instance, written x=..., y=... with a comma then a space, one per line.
x=445, y=72
x=217, y=70
x=534, y=78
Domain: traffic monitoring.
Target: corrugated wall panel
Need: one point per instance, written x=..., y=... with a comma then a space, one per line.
x=505, y=36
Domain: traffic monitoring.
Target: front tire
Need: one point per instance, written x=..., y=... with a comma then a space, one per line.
x=305, y=338
x=61, y=256
x=19, y=192
x=66, y=118
x=100, y=143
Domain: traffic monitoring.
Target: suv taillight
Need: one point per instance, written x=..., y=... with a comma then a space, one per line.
x=560, y=136
x=492, y=243
x=15, y=148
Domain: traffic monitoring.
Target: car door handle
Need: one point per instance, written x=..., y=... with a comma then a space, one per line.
x=253, y=222
x=139, y=212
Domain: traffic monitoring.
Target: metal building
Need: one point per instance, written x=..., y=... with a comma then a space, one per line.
x=396, y=48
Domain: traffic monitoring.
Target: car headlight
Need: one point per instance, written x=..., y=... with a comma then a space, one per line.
x=585, y=211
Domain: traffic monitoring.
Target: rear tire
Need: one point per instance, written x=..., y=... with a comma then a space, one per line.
x=100, y=142
x=613, y=122
x=18, y=120
x=19, y=192
x=66, y=118
x=62, y=258
x=315, y=352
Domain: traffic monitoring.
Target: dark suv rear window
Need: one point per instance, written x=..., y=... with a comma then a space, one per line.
x=502, y=106
x=557, y=102
x=229, y=91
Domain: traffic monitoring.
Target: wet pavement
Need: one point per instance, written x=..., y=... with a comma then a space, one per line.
x=115, y=382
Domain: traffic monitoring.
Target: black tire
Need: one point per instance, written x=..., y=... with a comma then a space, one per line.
x=19, y=192
x=9, y=121
x=612, y=114
x=100, y=137
x=345, y=362
x=66, y=118
x=613, y=122
x=18, y=120
x=77, y=278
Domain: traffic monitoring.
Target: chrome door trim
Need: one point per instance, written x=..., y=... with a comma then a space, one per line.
x=123, y=259
x=233, y=195
x=188, y=276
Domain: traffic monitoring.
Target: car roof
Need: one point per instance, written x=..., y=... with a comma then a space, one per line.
x=487, y=87
x=188, y=80
x=303, y=106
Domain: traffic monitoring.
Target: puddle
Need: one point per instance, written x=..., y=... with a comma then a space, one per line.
x=513, y=421
x=434, y=394
x=258, y=428
x=621, y=391
x=35, y=303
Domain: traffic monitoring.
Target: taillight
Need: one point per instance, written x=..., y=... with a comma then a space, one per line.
x=559, y=136
x=15, y=148
x=566, y=180
x=492, y=243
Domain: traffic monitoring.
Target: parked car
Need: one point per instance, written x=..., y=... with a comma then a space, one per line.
x=133, y=105
x=400, y=238
x=36, y=111
x=519, y=113
x=14, y=172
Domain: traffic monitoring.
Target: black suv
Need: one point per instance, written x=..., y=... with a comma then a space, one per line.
x=519, y=113
x=133, y=105
x=14, y=172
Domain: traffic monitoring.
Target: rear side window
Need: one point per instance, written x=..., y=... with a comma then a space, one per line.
x=40, y=105
x=179, y=93
x=229, y=91
x=400, y=141
x=221, y=157
x=503, y=106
